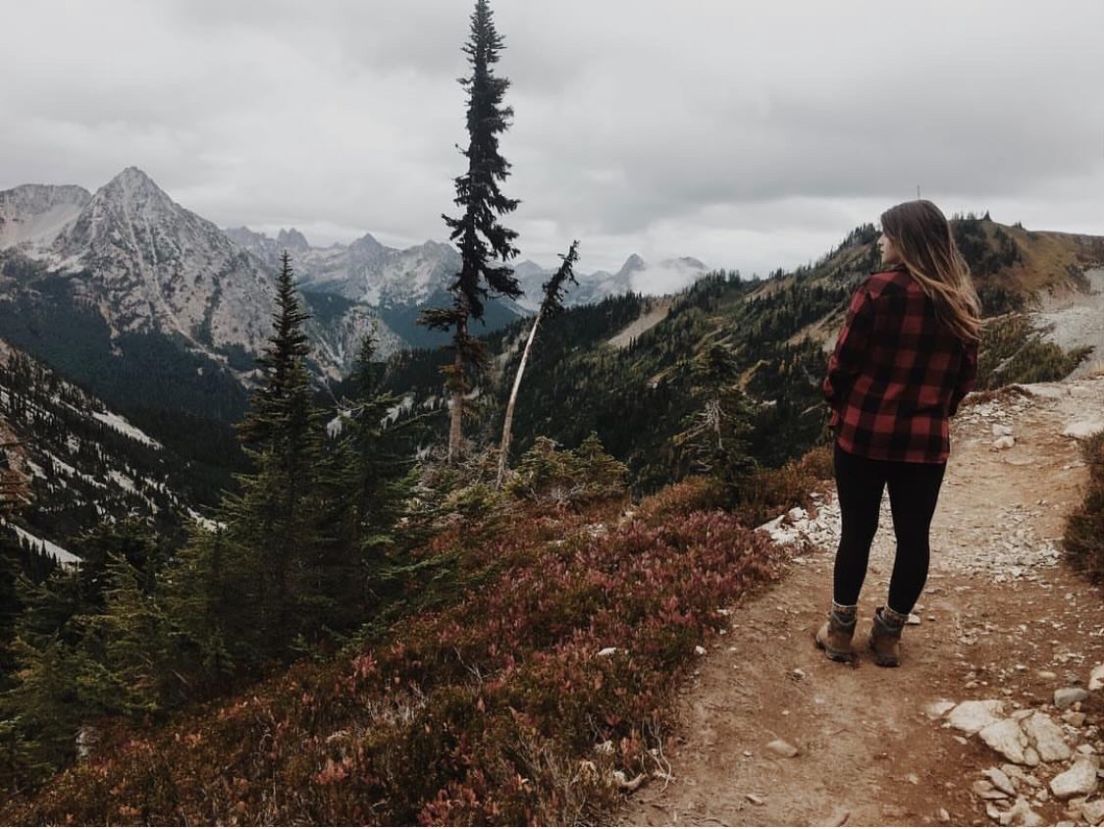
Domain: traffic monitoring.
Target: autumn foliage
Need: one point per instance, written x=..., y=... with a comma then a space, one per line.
x=506, y=705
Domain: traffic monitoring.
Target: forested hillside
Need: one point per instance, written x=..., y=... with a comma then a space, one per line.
x=768, y=337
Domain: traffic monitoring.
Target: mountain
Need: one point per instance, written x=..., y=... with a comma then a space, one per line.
x=635, y=275
x=148, y=303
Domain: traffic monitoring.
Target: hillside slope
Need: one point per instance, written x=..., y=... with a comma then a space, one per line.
x=81, y=462
x=624, y=368
x=1002, y=618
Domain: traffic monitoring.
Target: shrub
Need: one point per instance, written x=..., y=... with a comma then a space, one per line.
x=768, y=492
x=502, y=707
x=1012, y=351
x=1084, y=535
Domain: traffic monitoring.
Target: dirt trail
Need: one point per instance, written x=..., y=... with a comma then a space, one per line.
x=1002, y=618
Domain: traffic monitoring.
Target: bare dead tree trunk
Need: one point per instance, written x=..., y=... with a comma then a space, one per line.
x=507, y=426
x=458, y=389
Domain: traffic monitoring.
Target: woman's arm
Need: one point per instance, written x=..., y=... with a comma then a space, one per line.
x=967, y=377
x=851, y=346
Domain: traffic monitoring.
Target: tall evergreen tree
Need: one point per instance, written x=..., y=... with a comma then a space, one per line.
x=554, y=291
x=485, y=244
x=714, y=438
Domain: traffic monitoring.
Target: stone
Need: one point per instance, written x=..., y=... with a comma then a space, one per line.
x=699, y=650
x=1080, y=778
x=999, y=779
x=1048, y=675
x=973, y=715
x=1065, y=697
x=1031, y=756
x=1096, y=678
x=1093, y=812
x=943, y=815
x=1082, y=429
x=607, y=651
x=1004, y=442
x=1046, y=737
x=913, y=619
x=985, y=790
x=1005, y=737
x=782, y=748
x=754, y=800
x=937, y=709
x=1021, y=814
x=1074, y=718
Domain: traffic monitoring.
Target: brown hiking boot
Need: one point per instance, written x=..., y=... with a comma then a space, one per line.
x=834, y=636
x=885, y=636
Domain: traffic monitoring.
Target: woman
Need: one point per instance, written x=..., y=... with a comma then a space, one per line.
x=904, y=360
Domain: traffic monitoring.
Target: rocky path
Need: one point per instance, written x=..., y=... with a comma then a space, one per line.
x=989, y=721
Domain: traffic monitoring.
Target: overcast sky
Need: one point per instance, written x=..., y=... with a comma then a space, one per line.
x=752, y=135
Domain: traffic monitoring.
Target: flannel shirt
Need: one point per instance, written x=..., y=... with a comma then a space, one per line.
x=897, y=374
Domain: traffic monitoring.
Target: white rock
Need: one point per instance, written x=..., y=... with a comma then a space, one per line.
x=1005, y=442
x=937, y=709
x=1096, y=678
x=1000, y=780
x=1000, y=430
x=973, y=715
x=1083, y=428
x=754, y=800
x=1093, y=812
x=1046, y=737
x=1020, y=814
x=699, y=650
x=944, y=815
x=913, y=619
x=782, y=748
x=607, y=651
x=1065, y=697
x=1080, y=778
x=1005, y=737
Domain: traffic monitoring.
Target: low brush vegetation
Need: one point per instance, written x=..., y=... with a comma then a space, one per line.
x=536, y=690
x=1084, y=536
x=1013, y=351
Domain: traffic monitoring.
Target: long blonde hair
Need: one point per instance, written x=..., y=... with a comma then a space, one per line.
x=922, y=238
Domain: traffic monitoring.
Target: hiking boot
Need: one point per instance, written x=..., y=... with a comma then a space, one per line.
x=885, y=636
x=834, y=636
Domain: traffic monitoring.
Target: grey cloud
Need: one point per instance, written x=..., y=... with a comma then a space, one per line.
x=750, y=135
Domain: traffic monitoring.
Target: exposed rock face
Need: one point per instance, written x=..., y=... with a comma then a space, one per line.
x=32, y=215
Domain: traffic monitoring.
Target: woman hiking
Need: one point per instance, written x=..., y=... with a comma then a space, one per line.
x=905, y=358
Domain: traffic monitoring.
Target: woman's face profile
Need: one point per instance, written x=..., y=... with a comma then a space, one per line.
x=889, y=253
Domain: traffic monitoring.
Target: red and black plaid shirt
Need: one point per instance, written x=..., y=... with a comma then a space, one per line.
x=897, y=374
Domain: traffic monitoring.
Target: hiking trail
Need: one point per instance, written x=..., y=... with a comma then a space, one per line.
x=1003, y=618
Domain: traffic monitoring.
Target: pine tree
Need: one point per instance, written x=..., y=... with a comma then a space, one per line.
x=367, y=483
x=271, y=522
x=714, y=438
x=481, y=238
x=554, y=291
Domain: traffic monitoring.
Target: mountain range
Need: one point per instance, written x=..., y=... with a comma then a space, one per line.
x=133, y=262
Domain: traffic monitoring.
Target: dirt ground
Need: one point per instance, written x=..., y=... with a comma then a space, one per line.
x=1002, y=617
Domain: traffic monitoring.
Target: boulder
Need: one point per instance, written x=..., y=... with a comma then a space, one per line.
x=1078, y=779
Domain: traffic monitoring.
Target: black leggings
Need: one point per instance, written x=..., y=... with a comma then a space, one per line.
x=913, y=492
